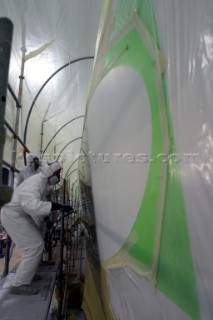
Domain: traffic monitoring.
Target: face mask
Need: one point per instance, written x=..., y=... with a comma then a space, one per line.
x=36, y=164
x=54, y=180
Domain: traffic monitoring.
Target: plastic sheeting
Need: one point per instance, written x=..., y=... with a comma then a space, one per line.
x=161, y=266
x=186, y=36
x=53, y=33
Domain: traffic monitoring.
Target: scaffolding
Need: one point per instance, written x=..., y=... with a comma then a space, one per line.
x=63, y=266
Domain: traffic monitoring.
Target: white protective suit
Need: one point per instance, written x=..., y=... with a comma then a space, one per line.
x=17, y=219
x=26, y=171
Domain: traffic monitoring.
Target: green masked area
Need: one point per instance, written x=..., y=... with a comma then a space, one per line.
x=131, y=57
x=175, y=272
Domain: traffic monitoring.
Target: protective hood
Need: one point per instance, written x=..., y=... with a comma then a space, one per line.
x=31, y=157
x=50, y=168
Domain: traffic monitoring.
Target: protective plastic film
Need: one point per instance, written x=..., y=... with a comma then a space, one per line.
x=52, y=34
x=169, y=44
x=186, y=32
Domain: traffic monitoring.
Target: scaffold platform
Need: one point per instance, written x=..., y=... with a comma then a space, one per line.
x=34, y=307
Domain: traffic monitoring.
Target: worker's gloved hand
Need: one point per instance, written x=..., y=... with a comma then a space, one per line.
x=56, y=206
x=66, y=208
x=49, y=223
x=60, y=206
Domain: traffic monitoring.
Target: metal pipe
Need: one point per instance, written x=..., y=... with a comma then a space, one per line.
x=15, y=135
x=66, y=176
x=42, y=133
x=21, y=77
x=71, y=172
x=61, y=267
x=42, y=87
x=13, y=95
x=74, y=184
x=6, y=33
x=9, y=166
x=67, y=146
x=42, y=129
x=60, y=130
x=61, y=276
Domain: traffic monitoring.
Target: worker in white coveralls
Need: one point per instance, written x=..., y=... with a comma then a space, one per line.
x=32, y=167
x=17, y=219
